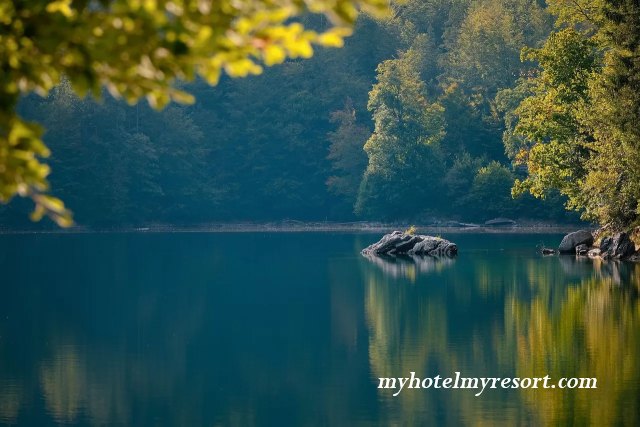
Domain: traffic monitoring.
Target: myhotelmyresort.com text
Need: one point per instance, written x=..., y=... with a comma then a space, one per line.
x=482, y=383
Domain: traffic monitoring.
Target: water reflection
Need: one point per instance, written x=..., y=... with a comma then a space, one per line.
x=561, y=316
x=64, y=384
x=409, y=265
x=11, y=396
x=179, y=330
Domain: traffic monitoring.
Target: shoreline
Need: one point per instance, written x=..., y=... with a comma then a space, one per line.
x=321, y=227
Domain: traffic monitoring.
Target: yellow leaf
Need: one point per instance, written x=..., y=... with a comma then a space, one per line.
x=182, y=97
x=273, y=54
x=61, y=6
x=62, y=221
x=331, y=39
x=301, y=48
x=242, y=67
x=20, y=131
x=212, y=76
x=37, y=213
x=50, y=203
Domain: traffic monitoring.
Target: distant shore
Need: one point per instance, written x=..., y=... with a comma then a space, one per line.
x=291, y=226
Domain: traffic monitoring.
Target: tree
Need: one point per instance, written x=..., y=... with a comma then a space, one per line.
x=582, y=116
x=406, y=166
x=549, y=117
x=613, y=184
x=137, y=49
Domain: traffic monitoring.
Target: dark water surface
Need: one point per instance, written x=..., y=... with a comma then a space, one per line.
x=294, y=329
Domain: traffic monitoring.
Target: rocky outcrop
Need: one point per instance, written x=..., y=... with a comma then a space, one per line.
x=617, y=246
x=573, y=240
x=403, y=243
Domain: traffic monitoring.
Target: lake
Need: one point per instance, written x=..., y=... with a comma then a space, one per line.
x=281, y=329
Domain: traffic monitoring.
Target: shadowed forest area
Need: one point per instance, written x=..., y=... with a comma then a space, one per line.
x=413, y=119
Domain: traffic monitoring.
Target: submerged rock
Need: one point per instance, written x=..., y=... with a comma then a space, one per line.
x=403, y=243
x=500, y=222
x=572, y=240
x=582, y=249
x=448, y=224
x=547, y=251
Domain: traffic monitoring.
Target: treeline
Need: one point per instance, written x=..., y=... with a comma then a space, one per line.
x=412, y=120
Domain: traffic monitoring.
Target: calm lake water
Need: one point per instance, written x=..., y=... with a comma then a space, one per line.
x=295, y=329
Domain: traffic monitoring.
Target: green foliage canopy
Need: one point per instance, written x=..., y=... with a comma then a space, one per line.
x=549, y=116
x=582, y=117
x=405, y=160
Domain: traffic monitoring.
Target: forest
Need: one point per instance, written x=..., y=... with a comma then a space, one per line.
x=444, y=109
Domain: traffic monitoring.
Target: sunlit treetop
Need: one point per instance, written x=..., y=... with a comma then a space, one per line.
x=139, y=48
x=583, y=14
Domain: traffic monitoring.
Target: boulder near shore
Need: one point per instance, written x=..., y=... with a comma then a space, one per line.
x=411, y=244
x=572, y=240
x=595, y=245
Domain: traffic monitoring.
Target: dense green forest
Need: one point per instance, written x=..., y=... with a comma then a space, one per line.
x=417, y=117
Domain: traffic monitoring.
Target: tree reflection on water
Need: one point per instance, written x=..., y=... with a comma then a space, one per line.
x=499, y=316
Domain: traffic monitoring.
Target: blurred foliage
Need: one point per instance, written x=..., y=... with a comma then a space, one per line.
x=138, y=49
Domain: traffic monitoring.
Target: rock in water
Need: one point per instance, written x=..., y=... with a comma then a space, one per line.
x=388, y=243
x=402, y=243
x=621, y=246
x=572, y=240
